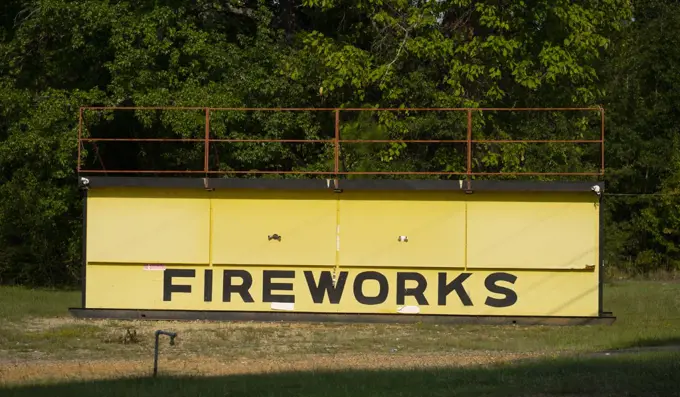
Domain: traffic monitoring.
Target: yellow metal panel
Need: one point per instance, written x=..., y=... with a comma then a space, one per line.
x=511, y=243
x=243, y=221
x=536, y=231
x=373, y=223
x=133, y=225
x=358, y=290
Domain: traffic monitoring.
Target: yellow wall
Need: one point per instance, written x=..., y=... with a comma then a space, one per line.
x=512, y=254
x=372, y=222
x=535, y=293
x=147, y=226
x=537, y=231
x=242, y=222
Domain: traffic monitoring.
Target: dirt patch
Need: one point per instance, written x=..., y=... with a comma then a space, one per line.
x=74, y=339
x=63, y=371
x=38, y=323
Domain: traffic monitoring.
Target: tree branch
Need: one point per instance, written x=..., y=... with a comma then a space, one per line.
x=396, y=57
x=241, y=11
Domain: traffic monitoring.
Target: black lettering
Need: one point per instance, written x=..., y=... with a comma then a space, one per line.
x=169, y=287
x=510, y=295
x=207, y=286
x=418, y=292
x=325, y=286
x=228, y=288
x=455, y=285
x=268, y=286
x=370, y=300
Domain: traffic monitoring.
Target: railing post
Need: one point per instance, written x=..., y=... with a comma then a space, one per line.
x=469, y=148
x=207, y=141
x=80, y=137
x=337, y=143
x=601, y=141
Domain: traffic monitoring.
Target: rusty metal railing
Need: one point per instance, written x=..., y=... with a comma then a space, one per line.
x=336, y=141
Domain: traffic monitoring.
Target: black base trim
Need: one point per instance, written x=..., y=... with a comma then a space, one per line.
x=191, y=315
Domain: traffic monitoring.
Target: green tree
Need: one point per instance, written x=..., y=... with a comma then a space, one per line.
x=58, y=55
x=644, y=140
x=459, y=53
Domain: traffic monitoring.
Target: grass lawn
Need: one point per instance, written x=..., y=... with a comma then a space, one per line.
x=45, y=352
x=19, y=303
x=643, y=375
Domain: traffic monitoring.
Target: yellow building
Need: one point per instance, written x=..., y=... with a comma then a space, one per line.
x=375, y=250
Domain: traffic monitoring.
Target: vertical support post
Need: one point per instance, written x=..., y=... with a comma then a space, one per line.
x=601, y=141
x=207, y=141
x=469, y=148
x=80, y=136
x=83, y=270
x=600, y=256
x=337, y=143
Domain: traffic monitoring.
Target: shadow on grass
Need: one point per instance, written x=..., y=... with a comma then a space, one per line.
x=639, y=375
x=649, y=344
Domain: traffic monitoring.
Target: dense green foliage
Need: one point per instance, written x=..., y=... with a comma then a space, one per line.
x=58, y=55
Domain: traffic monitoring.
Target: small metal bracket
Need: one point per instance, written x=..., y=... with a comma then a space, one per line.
x=402, y=239
x=468, y=186
x=84, y=183
x=206, y=186
x=336, y=185
x=274, y=237
x=596, y=189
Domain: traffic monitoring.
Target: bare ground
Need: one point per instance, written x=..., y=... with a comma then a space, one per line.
x=66, y=349
x=22, y=371
x=72, y=339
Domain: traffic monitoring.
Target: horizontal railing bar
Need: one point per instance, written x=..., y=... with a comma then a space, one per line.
x=402, y=141
x=461, y=109
x=208, y=108
x=536, y=141
x=341, y=140
x=203, y=140
x=141, y=172
x=343, y=172
x=142, y=140
x=274, y=140
x=205, y=172
x=338, y=109
x=142, y=108
x=337, y=141
x=538, y=173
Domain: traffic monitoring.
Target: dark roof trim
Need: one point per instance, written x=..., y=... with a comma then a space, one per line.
x=342, y=184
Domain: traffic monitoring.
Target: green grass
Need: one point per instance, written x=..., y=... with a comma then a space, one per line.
x=19, y=303
x=628, y=375
x=648, y=315
x=35, y=326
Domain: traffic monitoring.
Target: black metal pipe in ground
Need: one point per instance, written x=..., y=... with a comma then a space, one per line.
x=158, y=333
